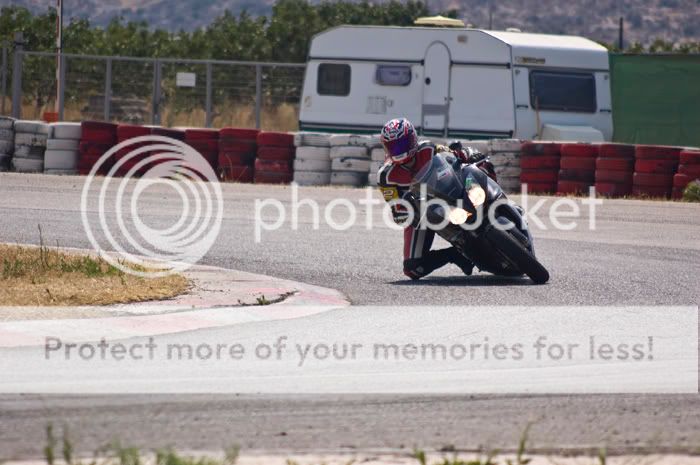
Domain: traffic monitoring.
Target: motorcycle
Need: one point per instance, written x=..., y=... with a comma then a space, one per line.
x=472, y=213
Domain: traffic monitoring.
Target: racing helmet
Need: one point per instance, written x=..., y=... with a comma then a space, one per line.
x=400, y=140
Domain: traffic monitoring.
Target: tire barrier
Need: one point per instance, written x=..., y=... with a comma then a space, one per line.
x=614, y=169
x=275, y=155
x=96, y=138
x=350, y=162
x=543, y=161
x=131, y=164
x=654, y=169
x=688, y=171
x=312, y=166
x=63, y=149
x=577, y=168
x=237, y=151
x=206, y=142
x=7, y=142
x=29, y=145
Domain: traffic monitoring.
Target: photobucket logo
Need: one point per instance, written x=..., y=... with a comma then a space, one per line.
x=170, y=167
x=341, y=214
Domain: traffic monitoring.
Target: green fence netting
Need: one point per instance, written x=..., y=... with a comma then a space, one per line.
x=656, y=99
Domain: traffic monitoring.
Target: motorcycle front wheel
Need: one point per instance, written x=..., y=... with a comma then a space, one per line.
x=514, y=251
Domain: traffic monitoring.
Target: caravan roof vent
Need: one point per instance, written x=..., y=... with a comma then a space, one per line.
x=439, y=21
x=513, y=29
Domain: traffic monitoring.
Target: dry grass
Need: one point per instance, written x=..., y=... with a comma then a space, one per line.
x=40, y=276
x=283, y=117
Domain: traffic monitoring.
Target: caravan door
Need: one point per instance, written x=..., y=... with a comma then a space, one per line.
x=436, y=89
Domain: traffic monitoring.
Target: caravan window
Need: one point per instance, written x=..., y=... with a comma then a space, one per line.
x=393, y=75
x=333, y=79
x=563, y=91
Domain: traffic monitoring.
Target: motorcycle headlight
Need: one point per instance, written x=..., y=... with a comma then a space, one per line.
x=477, y=196
x=458, y=216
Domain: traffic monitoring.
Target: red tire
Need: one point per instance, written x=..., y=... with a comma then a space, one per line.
x=615, y=164
x=534, y=162
x=275, y=139
x=235, y=158
x=539, y=176
x=98, y=131
x=583, y=164
x=243, y=146
x=577, y=175
x=276, y=166
x=611, y=189
x=655, y=166
x=650, y=191
x=167, y=132
x=541, y=187
x=652, y=180
x=681, y=180
x=573, y=187
x=237, y=173
x=201, y=134
x=690, y=157
x=616, y=151
x=691, y=170
x=276, y=153
x=267, y=177
x=93, y=150
x=657, y=152
x=617, y=177
x=129, y=131
x=239, y=133
x=546, y=149
x=580, y=150
x=204, y=146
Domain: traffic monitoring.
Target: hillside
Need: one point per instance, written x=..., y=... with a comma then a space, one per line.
x=673, y=20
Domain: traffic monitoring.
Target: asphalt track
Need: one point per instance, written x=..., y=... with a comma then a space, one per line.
x=641, y=252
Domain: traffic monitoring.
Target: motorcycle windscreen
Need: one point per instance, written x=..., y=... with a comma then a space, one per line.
x=440, y=180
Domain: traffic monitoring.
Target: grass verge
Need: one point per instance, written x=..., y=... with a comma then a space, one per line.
x=42, y=276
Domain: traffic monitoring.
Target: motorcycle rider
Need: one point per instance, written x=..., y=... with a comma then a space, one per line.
x=405, y=156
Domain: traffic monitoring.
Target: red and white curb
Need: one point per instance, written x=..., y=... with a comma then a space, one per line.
x=220, y=297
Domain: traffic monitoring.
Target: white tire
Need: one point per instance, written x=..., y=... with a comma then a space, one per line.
x=7, y=134
x=6, y=146
x=507, y=171
x=301, y=164
x=350, y=164
x=62, y=144
x=378, y=154
x=348, y=178
x=480, y=145
x=66, y=130
x=7, y=122
x=33, y=140
x=374, y=167
x=29, y=151
x=312, y=178
x=60, y=160
x=313, y=139
x=347, y=151
x=505, y=159
x=504, y=145
x=373, y=141
x=61, y=172
x=314, y=153
x=32, y=127
x=372, y=179
x=27, y=165
x=338, y=140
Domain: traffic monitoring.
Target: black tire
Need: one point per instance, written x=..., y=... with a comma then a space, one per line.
x=516, y=253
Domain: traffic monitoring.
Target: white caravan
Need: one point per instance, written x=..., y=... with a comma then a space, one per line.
x=457, y=82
